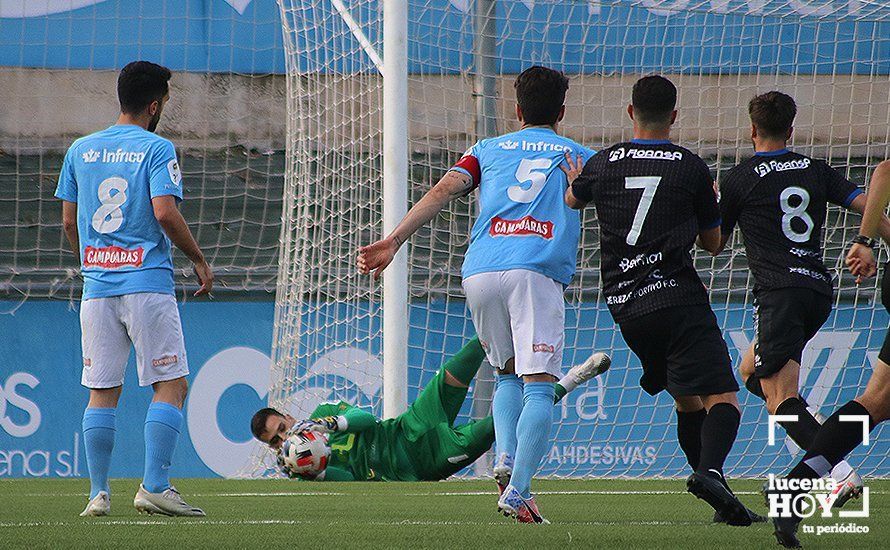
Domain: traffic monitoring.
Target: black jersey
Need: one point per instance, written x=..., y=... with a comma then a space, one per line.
x=779, y=200
x=652, y=198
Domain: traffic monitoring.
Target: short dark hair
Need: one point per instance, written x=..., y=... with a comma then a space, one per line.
x=772, y=114
x=541, y=93
x=258, y=422
x=654, y=98
x=140, y=83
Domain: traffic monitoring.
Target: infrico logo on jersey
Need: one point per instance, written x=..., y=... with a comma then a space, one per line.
x=120, y=155
x=520, y=228
x=90, y=156
x=112, y=257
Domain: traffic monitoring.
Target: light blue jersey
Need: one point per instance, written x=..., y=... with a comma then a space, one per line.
x=112, y=175
x=523, y=220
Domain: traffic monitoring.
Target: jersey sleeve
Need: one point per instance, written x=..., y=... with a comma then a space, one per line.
x=584, y=188
x=165, y=178
x=67, y=187
x=730, y=205
x=333, y=473
x=469, y=164
x=331, y=409
x=840, y=190
x=706, y=209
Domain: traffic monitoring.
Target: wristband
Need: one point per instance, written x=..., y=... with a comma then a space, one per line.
x=865, y=241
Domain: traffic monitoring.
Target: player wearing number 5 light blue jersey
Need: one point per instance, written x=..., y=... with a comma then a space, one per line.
x=523, y=250
x=120, y=189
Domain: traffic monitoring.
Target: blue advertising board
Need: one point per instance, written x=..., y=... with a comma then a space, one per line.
x=608, y=428
x=602, y=36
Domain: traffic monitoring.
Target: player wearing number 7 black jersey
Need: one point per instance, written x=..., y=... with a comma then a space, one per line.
x=653, y=200
x=779, y=198
x=120, y=189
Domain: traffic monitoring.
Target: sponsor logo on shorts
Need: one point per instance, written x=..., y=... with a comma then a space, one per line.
x=112, y=257
x=164, y=361
x=87, y=362
x=522, y=227
x=542, y=348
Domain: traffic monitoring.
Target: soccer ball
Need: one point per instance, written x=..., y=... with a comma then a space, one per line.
x=306, y=453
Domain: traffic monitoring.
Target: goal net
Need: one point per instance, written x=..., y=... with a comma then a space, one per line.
x=59, y=62
x=833, y=57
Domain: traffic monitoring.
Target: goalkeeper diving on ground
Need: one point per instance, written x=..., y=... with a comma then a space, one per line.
x=422, y=444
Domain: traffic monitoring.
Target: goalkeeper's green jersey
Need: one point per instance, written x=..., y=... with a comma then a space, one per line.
x=368, y=450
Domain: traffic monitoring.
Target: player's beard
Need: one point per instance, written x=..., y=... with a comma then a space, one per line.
x=153, y=124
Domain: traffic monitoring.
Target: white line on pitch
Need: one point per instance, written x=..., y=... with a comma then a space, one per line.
x=433, y=494
x=162, y=522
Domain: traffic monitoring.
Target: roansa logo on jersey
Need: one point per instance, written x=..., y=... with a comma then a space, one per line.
x=525, y=226
x=651, y=154
x=112, y=257
x=765, y=168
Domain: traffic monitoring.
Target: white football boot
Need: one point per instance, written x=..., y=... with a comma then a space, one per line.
x=848, y=487
x=99, y=505
x=594, y=366
x=502, y=471
x=166, y=503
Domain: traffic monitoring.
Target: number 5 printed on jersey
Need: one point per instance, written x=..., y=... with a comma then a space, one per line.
x=109, y=216
x=533, y=170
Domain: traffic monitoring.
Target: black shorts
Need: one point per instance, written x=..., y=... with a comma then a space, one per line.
x=884, y=355
x=681, y=350
x=785, y=319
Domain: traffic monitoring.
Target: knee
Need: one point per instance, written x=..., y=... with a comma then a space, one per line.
x=172, y=391
x=877, y=403
x=729, y=398
x=688, y=403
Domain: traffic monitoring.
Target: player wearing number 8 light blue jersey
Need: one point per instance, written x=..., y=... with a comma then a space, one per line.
x=112, y=175
x=523, y=249
x=120, y=190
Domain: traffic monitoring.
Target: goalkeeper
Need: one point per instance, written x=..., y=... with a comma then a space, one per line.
x=422, y=444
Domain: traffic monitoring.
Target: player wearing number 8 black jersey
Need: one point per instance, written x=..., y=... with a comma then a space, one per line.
x=654, y=199
x=779, y=198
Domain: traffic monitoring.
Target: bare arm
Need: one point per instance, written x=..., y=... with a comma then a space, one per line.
x=168, y=215
x=69, y=225
x=711, y=240
x=572, y=201
x=874, y=223
x=860, y=259
x=376, y=256
x=572, y=169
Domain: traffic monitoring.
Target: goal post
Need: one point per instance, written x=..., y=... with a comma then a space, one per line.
x=369, y=131
x=395, y=204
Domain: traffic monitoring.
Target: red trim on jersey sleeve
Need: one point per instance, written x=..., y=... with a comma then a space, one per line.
x=471, y=165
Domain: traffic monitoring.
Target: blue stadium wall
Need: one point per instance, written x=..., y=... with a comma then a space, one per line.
x=244, y=36
x=610, y=428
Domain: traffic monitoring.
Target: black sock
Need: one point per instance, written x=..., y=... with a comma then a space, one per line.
x=803, y=432
x=753, y=385
x=718, y=433
x=689, y=434
x=833, y=442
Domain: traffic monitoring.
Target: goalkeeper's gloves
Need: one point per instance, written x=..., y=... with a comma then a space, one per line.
x=325, y=425
x=283, y=467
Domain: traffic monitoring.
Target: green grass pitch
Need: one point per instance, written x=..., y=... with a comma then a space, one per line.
x=455, y=514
